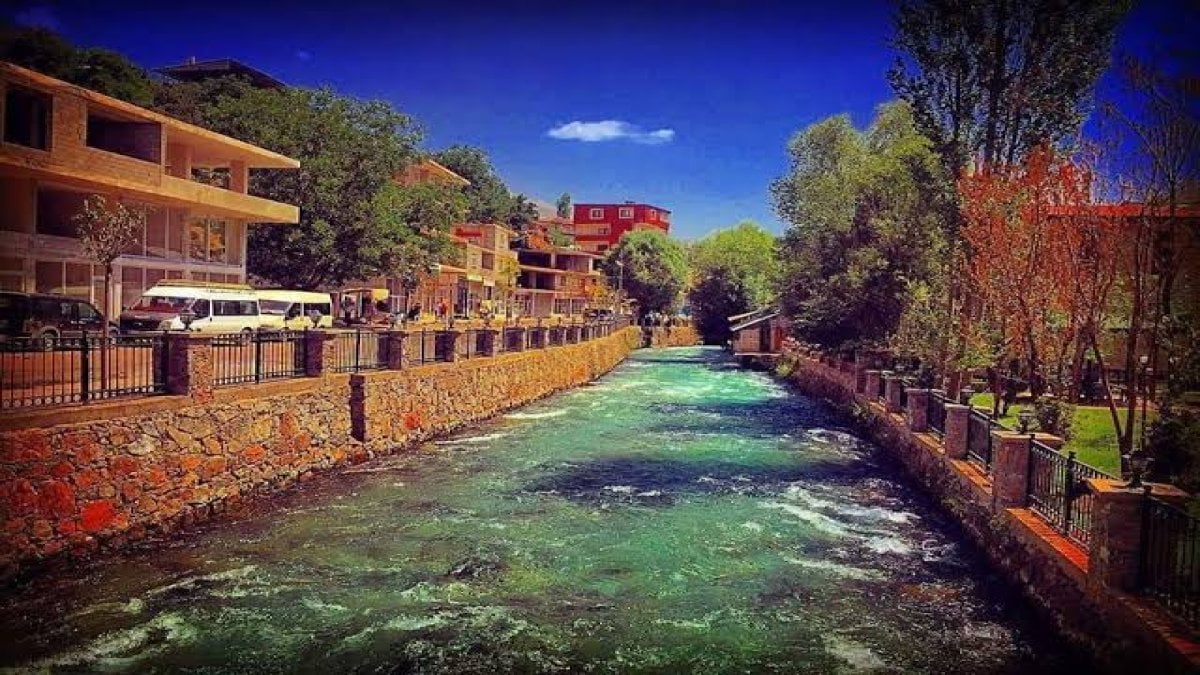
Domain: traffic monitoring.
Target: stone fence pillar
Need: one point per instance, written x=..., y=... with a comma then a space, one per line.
x=892, y=388
x=1114, y=552
x=917, y=410
x=490, y=341
x=190, y=366
x=448, y=344
x=871, y=383
x=1010, y=469
x=955, y=438
x=537, y=337
x=397, y=349
x=318, y=353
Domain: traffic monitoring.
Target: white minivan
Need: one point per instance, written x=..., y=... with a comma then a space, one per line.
x=212, y=308
x=294, y=310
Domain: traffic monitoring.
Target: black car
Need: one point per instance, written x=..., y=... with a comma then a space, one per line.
x=44, y=318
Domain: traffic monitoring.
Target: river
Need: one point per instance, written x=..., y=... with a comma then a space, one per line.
x=677, y=515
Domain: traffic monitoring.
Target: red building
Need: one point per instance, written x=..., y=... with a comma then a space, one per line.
x=598, y=227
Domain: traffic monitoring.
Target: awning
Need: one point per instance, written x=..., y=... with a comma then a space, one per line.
x=489, y=282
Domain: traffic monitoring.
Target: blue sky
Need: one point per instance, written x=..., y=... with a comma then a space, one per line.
x=698, y=99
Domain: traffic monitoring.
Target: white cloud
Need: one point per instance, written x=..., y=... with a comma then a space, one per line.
x=610, y=130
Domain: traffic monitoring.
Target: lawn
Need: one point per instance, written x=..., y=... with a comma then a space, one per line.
x=1093, y=438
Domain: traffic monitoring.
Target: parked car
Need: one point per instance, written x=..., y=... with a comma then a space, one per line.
x=293, y=310
x=196, y=306
x=44, y=318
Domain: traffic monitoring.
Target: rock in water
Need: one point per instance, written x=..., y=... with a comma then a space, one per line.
x=476, y=566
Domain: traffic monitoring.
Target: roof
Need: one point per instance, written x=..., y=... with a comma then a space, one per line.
x=195, y=71
x=207, y=145
x=754, y=321
x=625, y=204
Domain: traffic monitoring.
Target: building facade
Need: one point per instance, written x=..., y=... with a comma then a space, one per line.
x=556, y=281
x=598, y=227
x=61, y=143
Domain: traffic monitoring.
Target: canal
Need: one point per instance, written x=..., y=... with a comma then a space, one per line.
x=678, y=515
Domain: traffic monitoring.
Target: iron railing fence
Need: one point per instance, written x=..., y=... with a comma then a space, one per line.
x=1057, y=492
x=246, y=357
x=49, y=371
x=905, y=384
x=358, y=350
x=935, y=413
x=880, y=388
x=424, y=346
x=1170, y=560
x=515, y=339
x=979, y=438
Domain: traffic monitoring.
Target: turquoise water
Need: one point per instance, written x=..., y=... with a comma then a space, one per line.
x=679, y=515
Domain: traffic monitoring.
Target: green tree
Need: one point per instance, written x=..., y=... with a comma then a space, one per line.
x=867, y=216
x=650, y=267
x=734, y=271
x=415, y=223
x=521, y=212
x=488, y=200
x=998, y=77
x=562, y=207
x=100, y=70
x=349, y=150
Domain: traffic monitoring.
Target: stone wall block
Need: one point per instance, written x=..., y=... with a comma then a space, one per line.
x=892, y=388
x=1010, y=469
x=955, y=439
x=917, y=410
x=190, y=366
x=397, y=349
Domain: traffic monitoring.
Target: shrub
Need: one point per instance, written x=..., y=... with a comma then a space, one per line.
x=1174, y=442
x=1054, y=416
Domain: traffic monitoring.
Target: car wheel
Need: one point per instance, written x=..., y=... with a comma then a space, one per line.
x=247, y=336
x=47, y=341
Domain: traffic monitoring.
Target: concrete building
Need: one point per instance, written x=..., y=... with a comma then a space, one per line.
x=62, y=143
x=556, y=281
x=758, y=333
x=598, y=227
x=198, y=71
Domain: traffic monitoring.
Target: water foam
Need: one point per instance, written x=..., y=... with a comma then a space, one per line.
x=535, y=415
x=472, y=439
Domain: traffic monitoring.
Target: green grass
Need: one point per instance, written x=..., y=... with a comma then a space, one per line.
x=1093, y=439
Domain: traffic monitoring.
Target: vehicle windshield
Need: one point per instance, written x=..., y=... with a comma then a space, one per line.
x=162, y=303
x=274, y=307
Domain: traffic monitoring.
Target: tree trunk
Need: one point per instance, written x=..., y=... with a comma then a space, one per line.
x=104, y=327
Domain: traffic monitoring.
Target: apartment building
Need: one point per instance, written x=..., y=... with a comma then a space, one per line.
x=61, y=143
x=556, y=281
x=598, y=227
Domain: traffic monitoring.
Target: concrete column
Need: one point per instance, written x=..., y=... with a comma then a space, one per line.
x=872, y=383
x=190, y=366
x=491, y=341
x=318, y=353
x=1010, y=469
x=917, y=412
x=892, y=386
x=1114, y=551
x=956, y=430
x=448, y=344
x=397, y=349
x=239, y=177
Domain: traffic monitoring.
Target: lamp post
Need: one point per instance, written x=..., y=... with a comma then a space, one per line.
x=186, y=317
x=1024, y=418
x=1138, y=460
x=1147, y=378
x=965, y=395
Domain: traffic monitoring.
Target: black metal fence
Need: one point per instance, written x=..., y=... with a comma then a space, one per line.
x=1057, y=492
x=935, y=413
x=55, y=371
x=424, y=346
x=515, y=339
x=880, y=388
x=360, y=350
x=1170, y=563
x=246, y=357
x=979, y=438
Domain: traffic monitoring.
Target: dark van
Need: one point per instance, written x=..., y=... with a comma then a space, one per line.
x=46, y=317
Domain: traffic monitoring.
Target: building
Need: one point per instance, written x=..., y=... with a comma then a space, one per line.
x=198, y=71
x=598, y=227
x=62, y=143
x=758, y=333
x=556, y=281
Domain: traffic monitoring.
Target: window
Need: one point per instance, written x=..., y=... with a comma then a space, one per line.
x=156, y=233
x=625, y=213
x=86, y=313
x=234, y=308
x=198, y=240
x=602, y=229
x=207, y=240
x=139, y=140
x=27, y=118
x=131, y=285
x=217, y=243
x=596, y=213
x=201, y=308
x=56, y=210
x=651, y=214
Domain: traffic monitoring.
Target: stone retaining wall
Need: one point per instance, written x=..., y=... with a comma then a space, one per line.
x=672, y=336
x=1126, y=632
x=118, y=471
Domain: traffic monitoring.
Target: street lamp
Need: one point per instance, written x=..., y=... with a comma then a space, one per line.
x=1138, y=460
x=1025, y=417
x=1147, y=378
x=966, y=394
x=186, y=317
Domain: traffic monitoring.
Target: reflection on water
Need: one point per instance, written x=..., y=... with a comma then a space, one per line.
x=679, y=515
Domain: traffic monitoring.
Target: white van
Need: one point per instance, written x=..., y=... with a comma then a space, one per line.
x=213, y=307
x=294, y=310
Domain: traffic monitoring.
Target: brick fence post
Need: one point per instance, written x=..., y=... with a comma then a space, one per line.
x=1114, y=552
x=891, y=393
x=955, y=438
x=397, y=349
x=190, y=366
x=1010, y=469
x=537, y=337
x=871, y=383
x=490, y=341
x=917, y=411
x=448, y=344
x=319, y=353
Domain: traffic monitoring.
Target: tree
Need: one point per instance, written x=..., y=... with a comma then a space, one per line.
x=349, y=150
x=97, y=69
x=999, y=77
x=867, y=216
x=650, y=267
x=415, y=223
x=521, y=212
x=733, y=271
x=488, y=200
x=562, y=207
x=106, y=230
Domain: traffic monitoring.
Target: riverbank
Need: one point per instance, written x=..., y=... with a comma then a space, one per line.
x=1082, y=591
x=126, y=470
x=678, y=515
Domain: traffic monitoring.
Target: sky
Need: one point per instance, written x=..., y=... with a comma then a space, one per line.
x=684, y=105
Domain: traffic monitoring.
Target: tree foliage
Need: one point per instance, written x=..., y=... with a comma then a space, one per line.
x=415, y=223
x=999, y=77
x=97, y=69
x=562, y=207
x=106, y=229
x=488, y=199
x=867, y=214
x=650, y=267
x=733, y=271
